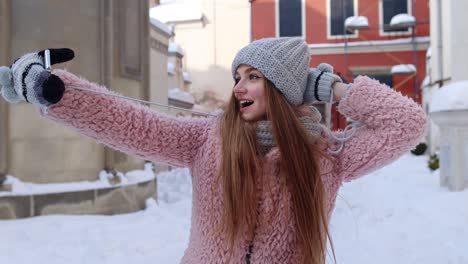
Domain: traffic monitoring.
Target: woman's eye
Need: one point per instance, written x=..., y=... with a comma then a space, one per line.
x=253, y=77
x=236, y=81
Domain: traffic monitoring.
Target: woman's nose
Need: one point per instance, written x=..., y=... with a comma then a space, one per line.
x=239, y=87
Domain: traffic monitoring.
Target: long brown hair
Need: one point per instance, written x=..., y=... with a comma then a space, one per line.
x=299, y=166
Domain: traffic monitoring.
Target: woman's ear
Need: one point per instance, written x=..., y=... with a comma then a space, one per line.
x=59, y=55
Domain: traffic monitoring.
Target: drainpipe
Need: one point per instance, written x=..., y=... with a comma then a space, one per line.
x=250, y=20
x=439, y=43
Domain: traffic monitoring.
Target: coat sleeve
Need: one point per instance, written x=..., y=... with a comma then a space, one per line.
x=128, y=127
x=391, y=124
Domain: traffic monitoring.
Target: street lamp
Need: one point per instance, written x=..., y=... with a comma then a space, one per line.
x=402, y=21
x=407, y=21
x=353, y=23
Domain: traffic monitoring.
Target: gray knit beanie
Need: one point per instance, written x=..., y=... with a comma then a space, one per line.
x=283, y=61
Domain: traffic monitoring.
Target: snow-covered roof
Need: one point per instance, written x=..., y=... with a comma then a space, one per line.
x=403, y=20
x=357, y=22
x=161, y=26
x=450, y=97
x=179, y=95
x=186, y=77
x=170, y=68
x=175, y=48
x=403, y=69
x=177, y=11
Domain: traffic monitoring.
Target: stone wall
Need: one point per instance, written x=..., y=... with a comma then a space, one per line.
x=112, y=200
x=111, y=48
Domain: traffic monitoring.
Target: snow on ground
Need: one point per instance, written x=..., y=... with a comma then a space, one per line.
x=398, y=214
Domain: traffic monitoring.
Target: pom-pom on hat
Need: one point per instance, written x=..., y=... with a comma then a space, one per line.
x=284, y=61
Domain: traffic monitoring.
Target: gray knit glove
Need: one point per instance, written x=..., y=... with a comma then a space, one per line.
x=27, y=79
x=319, y=83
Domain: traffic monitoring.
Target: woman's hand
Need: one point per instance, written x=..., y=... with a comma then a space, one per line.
x=28, y=79
x=320, y=83
x=339, y=90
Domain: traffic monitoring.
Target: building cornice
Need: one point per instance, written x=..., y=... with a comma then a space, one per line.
x=401, y=44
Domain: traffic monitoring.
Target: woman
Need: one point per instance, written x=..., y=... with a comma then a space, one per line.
x=265, y=172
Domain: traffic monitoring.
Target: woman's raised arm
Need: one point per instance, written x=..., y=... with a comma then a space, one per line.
x=390, y=124
x=128, y=127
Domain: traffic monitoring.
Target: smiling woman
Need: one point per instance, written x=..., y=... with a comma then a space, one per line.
x=249, y=92
x=265, y=172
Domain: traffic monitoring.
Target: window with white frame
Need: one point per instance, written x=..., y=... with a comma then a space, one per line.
x=391, y=8
x=339, y=11
x=290, y=18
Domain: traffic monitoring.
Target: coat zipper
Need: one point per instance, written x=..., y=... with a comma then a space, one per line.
x=248, y=254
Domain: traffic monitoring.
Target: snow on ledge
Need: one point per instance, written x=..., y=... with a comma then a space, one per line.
x=161, y=26
x=186, y=77
x=199, y=108
x=176, y=48
x=356, y=22
x=426, y=82
x=403, y=20
x=179, y=95
x=27, y=188
x=450, y=97
x=403, y=69
x=171, y=68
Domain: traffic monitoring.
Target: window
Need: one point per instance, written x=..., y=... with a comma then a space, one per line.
x=290, y=18
x=339, y=11
x=382, y=78
x=390, y=8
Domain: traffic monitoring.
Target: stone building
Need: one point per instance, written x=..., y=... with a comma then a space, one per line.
x=115, y=45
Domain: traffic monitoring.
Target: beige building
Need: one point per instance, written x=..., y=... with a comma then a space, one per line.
x=445, y=92
x=447, y=59
x=210, y=32
x=115, y=45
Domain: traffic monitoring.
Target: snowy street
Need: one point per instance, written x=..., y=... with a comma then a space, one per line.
x=398, y=214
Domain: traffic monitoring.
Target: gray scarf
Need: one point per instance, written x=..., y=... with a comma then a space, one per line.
x=265, y=138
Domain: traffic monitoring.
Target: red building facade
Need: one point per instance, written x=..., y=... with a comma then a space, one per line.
x=372, y=51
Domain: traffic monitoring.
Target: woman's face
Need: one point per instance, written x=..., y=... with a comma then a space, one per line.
x=249, y=91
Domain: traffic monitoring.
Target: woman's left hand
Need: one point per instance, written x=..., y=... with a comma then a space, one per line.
x=339, y=90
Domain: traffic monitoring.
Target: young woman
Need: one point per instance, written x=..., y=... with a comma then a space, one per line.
x=265, y=172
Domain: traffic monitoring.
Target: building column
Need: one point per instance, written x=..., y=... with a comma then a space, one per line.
x=128, y=33
x=5, y=41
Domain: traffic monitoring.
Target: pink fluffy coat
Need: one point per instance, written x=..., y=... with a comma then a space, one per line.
x=393, y=124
